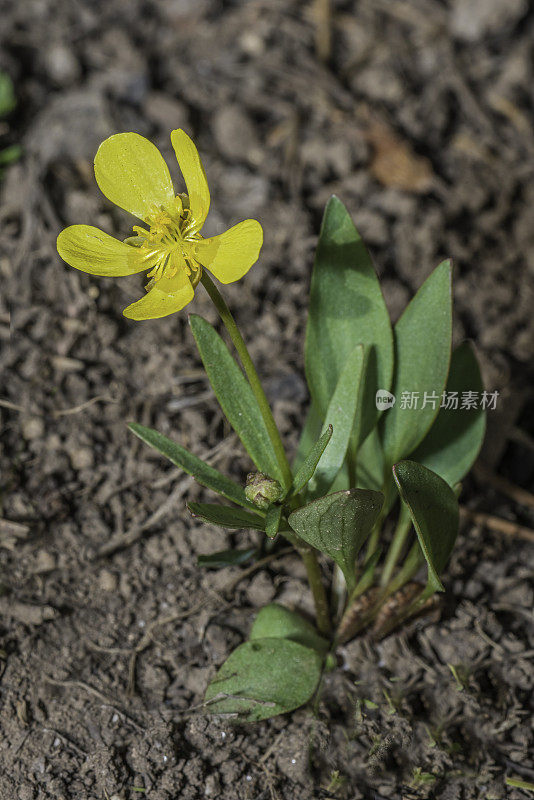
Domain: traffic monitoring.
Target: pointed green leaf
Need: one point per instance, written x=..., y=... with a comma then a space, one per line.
x=346, y=308
x=434, y=511
x=341, y=416
x=235, y=397
x=370, y=463
x=263, y=678
x=309, y=435
x=305, y=472
x=452, y=444
x=227, y=558
x=422, y=356
x=277, y=622
x=338, y=525
x=204, y=474
x=273, y=518
x=226, y=517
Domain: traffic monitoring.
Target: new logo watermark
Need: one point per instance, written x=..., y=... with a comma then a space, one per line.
x=384, y=399
x=452, y=401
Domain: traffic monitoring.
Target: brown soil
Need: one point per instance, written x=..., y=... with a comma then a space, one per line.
x=422, y=123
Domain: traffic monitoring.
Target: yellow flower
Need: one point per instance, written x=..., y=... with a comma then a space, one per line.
x=131, y=172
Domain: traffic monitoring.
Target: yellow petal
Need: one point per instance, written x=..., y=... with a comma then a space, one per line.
x=91, y=250
x=166, y=296
x=194, y=176
x=131, y=172
x=231, y=255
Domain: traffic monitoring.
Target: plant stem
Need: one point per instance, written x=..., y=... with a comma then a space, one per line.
x=315, y=580
x=408, y=569
x=402, y=530
x=250, y=370
x=307, y=553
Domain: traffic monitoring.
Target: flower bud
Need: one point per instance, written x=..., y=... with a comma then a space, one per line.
x=262, y=490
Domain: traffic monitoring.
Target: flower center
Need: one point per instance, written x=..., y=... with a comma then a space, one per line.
x=166, y=242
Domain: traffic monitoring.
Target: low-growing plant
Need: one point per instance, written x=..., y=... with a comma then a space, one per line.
x=393, y=423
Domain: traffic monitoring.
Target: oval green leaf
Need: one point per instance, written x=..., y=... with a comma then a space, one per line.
x=263, y=678
x=338, y=525
x=276, y=621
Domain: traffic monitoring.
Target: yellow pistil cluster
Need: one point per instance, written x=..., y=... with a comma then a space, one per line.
x=165, y=243
x=131, y=172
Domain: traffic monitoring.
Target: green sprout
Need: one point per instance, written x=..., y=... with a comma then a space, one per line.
x=396, y=419
x=8, y=101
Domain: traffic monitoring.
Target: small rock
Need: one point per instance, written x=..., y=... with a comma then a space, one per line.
x=71, y=126
x=44, y=562
x=235, y=135
x=81, y=458
x=212, y=787
x=33, y=428
x=61, y=65
x=196, y=679
x=471, y=20
x=107, y=581
x=165, y=111
x=260, y=590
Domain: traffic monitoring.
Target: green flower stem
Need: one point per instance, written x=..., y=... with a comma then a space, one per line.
x=407, y=571
x=315, y=580
x=250, y=370
x=374, y=537
x=307, y=553
x=397, y=543
x=388, y=489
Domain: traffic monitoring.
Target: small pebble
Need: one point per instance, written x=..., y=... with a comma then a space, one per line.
x=33, y=428
x=107, y=581
x=81, y=458
x=61, y=65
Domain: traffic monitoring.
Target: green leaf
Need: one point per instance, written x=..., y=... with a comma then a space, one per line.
x=226, y=517
x=273, y=518
x=10, y=154
x=305, y=473
x=453, y=443
x=235, y=396
x=341, y=416
x=370, y=463
x=346, y=308
x=422, y=356
x=7, y=94
x=277, y=622
x=309, y=435
x=204, y=474
x=227, y=558
x=434, y=511
x=263, y=678
x=338, y=525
